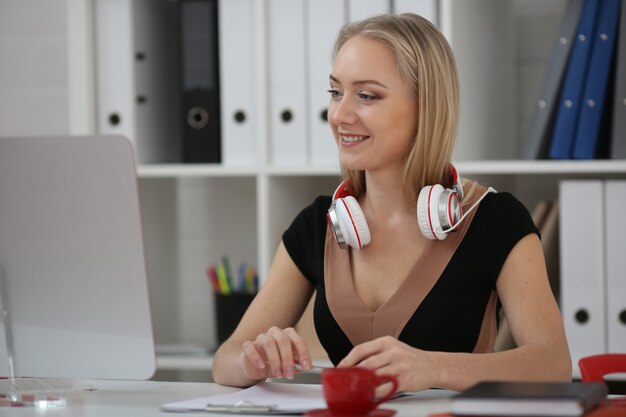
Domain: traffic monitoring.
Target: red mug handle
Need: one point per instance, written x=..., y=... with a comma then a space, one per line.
x=381, y=379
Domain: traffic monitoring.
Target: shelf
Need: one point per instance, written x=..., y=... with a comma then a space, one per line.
x=541, y=167
x=193, y=171
x=479, y=167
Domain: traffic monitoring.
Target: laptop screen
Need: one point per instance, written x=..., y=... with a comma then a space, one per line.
x=72, y=260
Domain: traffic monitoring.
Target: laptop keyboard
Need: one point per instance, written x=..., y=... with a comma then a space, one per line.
x=34, y=385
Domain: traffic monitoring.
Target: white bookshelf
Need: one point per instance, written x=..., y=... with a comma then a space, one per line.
x=194, y=213
x=478, y=167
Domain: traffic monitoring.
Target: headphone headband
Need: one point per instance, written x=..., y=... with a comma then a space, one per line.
x=438, y=212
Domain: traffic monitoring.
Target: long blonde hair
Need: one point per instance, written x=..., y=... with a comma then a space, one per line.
x=428, y=67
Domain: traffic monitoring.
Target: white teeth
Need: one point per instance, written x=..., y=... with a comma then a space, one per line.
x=353, y=138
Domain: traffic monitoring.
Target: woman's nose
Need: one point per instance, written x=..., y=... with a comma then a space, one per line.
x=341, y=112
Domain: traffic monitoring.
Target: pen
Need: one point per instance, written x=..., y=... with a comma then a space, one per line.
x=223, y=280
x=242, y=407
x=314, y=368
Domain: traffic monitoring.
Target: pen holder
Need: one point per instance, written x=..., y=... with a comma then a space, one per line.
x=229, y=310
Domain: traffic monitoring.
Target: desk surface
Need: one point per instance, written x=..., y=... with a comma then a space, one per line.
x=144, y=398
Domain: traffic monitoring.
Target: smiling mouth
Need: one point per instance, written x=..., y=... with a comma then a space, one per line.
x=353, y=138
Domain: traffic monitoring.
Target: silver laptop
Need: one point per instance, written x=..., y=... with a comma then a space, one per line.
x=72, y=259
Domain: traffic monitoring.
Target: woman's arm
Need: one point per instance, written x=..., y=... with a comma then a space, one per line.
x=542, y=353
x=264, y=344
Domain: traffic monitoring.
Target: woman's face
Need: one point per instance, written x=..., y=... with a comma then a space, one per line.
x=371, y=114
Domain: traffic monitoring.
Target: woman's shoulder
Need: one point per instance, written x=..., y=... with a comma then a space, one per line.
x=317, y=208
x=311, y=216
x=502, y=200
x=503, y=213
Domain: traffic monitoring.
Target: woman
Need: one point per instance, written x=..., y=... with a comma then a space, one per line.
x=415, y=301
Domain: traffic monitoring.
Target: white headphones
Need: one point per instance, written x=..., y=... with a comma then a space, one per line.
x=438, y=212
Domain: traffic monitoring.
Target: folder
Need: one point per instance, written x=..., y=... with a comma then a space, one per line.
x=592, y=133
x=582, y=249
x=136, y=92
x=615, y=265
x=115, y=78
x=239, y=90
x=200, y=99
x=360, y=9
x=512, y=398
x=287, y=94
x=428, y=9
x=157, y=94
x=569, y=103
x=263, y=398
x=324, y=18
x=618, y=134
x=537, y=142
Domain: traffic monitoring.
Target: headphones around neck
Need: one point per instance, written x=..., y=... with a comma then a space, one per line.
x=438, y=212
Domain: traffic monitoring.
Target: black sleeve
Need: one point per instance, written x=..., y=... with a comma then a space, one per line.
x=305, y=237
x=508, y=221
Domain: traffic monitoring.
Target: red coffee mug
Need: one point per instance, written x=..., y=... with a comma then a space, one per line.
x=352, y=391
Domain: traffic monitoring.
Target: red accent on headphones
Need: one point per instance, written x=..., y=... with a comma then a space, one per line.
x=438, y=211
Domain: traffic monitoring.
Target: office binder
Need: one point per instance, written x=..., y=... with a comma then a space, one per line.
x=287, y=85
x=157, y=94
x=136, y=92
x=537, y=142
x=360, y=9
x=615, y=265
x=582, y=248
x=618, y=134
x=115, y=79
x=238, y=62
x=200, y=98
x=592, y=133
x=569, y=104
x=324, y=18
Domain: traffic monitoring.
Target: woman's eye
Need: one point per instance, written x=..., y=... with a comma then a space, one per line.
x=334, y=93
x=367, y=97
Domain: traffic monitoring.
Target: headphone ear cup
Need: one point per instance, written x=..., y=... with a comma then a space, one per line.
x=352, y=222
x=427, y=212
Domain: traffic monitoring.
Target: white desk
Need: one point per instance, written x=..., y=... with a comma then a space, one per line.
x=144, y=399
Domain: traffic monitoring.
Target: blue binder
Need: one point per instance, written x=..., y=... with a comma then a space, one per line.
x=564, y=132
x=590, y=135
x=537, y=143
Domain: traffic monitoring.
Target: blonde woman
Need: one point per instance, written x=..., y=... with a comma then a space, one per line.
x=414, y=296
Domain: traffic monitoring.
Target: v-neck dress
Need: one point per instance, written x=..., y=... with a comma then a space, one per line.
x=447, y=302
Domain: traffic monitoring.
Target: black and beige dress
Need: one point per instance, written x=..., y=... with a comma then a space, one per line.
x=447, y=302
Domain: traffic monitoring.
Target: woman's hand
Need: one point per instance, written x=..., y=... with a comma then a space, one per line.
x=274, y=354
x=413, y=368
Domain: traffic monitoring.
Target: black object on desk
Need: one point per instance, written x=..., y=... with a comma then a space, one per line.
x=229, y=309
x=529, y=399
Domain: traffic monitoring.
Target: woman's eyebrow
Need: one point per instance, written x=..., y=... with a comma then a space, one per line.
x=359, y=82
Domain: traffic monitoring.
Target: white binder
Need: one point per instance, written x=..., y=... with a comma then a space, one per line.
x=136, y=89
x=360, y=9
x=582, y=249
x=239, y=60
x=324, y=18
x=287, y=82
x=115, y=82
x=425, y=8
x=615, y=265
